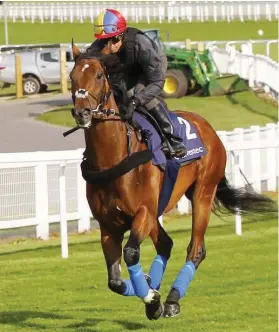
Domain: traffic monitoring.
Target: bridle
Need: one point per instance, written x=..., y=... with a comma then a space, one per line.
x=85, y=94
x=99, y=110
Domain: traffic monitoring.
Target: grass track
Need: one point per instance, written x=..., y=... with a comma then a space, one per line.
x=234, y=290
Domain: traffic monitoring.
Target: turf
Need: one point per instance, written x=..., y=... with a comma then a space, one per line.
x=223, y=113
x=28, y=33
x=234, y=290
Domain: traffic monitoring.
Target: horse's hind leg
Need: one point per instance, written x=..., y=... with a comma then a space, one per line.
x=201, y=204
x=163, y=244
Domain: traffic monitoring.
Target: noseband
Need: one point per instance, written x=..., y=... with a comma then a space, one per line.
x=83, y=94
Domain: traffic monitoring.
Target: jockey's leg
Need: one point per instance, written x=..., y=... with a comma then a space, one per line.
x=160, y=112
x=161, y=115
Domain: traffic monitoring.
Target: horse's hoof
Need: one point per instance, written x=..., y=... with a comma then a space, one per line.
x=154, y=310
x=171, y=310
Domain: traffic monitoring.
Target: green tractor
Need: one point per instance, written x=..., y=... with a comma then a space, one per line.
x=190, y=71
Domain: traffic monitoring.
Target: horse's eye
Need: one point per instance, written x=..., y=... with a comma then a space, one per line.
x=99, y=76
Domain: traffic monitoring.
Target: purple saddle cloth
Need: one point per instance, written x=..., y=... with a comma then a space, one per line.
x=182, y=128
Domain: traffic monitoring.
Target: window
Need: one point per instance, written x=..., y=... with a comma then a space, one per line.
x=50, y=56
x=54, y=56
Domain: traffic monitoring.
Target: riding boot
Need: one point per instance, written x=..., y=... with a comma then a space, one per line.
x=160, y=113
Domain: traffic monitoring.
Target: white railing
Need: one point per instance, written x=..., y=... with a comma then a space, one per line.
x=39, y=188
x=259, y=70
x=30, y=190
x=141, y=10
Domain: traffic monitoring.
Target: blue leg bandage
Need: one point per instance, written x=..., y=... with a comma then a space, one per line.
x=157, y=270
x=138, y=281
x=184, y=278
x=129, y=288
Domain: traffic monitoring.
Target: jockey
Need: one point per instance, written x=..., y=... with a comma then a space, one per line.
x=144, y=70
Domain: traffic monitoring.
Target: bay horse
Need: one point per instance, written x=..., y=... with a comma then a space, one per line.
x=123, y=199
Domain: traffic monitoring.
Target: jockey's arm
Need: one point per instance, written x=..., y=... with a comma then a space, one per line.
x=153, y=70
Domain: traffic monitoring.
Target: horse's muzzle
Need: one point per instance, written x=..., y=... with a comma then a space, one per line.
x=82, y=116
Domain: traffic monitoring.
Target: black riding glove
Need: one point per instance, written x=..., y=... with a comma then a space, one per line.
x=130, y=109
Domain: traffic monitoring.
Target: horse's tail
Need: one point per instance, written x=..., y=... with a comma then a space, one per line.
x=241, y=200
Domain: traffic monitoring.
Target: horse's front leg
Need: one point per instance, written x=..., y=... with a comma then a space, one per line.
x=112, y=249
x=140, y=229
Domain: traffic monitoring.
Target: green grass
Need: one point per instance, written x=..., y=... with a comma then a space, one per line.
x=223, y=113
x=27, y=33
x=234, y=290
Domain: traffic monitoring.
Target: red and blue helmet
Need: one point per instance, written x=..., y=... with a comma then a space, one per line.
x=108, y=24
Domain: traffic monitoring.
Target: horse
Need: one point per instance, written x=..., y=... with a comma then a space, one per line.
x=123, y=188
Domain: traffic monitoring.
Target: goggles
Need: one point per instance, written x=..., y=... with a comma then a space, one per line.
x=116, y=39
x=109, y=28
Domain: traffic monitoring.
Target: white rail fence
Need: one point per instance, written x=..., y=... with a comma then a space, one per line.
x=259, y=70
x=39, y=188
x=136, y=11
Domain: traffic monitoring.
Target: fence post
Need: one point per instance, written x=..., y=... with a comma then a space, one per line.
x=237, y=183
x=83, y=208
x=238, y=224
x=63, y=71
x=183, y=205
x=161, y=221
x=240, y=156
x=63, y=211
x=256, y=158
x=200, y=46
x=215, y=12
x=272, y=166
x=188, y=45
x=41, y=196
x=19, y=90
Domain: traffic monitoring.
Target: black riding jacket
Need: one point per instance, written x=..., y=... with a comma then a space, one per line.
x=143, y=62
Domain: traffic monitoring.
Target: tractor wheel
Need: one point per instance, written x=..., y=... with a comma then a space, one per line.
x=176, y=84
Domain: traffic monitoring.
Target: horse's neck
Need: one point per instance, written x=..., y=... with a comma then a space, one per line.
x=106, y=141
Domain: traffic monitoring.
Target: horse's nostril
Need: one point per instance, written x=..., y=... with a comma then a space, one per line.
x=86, y=112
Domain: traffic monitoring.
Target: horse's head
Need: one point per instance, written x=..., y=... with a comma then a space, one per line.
x=90, y=87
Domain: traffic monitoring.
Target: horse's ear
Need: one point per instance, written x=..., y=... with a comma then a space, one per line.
x=75, y=50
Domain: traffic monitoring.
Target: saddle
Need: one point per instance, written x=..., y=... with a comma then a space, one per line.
x=166, y=148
